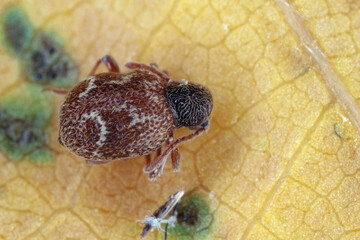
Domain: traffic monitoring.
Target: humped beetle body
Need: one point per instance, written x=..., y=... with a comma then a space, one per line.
x=115, y=115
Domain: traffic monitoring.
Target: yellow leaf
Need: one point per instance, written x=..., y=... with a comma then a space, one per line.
x=281, y=159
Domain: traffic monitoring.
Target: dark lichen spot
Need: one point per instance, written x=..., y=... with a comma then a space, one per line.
x=24, y=116
x=188, y=214
x=17, y=32
x=19, y=131
x=48, y=63
x=43, y=56
x=193, y=218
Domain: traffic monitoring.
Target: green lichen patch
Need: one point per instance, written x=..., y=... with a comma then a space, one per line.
x=48, y=63
x=24, y=116
x=16, y=30
x=41, y=156
x=41, y=52
x=193, y=218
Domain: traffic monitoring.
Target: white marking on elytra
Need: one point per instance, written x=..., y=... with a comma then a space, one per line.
x=139, y=119
x=132, y=112
x=124, y=80
x=103, y=131
x=90, y=86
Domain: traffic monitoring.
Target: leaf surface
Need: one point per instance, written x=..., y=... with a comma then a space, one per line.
x=281, y=158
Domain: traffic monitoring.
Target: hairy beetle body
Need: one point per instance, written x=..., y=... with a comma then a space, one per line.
x=114, y=115
x=111, y=116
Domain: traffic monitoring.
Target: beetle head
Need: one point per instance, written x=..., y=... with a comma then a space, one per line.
x=191, y=104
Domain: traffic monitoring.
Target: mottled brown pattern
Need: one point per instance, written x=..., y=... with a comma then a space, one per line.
x=109, y=115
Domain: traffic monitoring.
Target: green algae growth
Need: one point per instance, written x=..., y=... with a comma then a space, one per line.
x=25, y=113
x=16, y=30
x=47, y=63
x=193, y=218
x=41, y=52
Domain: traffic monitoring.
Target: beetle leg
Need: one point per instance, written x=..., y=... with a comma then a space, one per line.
x=109, y=62
x=166, y=72
x=151, y=68
x=95, y=162
x=155, y=168
x=154, y=65
x=148, y=159
x=175, y=155
x=175, y=159
x=56, y=91
x=158, y=152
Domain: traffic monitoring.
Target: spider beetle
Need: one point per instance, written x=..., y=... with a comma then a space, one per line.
x=114, y=115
